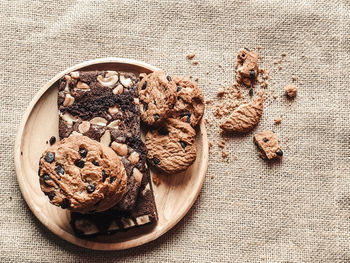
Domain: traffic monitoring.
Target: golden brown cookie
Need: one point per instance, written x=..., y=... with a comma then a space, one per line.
x=157, y=95
x=172, y=146
x=247, y=69
x=189, y=106
x=82, y=175
x=268, y=142
x=244, y=118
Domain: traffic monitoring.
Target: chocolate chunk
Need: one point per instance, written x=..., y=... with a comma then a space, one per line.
x=251, y=92
x=145, y=106
x=112, y=179
x=94, y=162
x=144, y=86
x=39, y=171
x=156, y=160
x=155, y=102
x=189, y=118
x=279, y=153
x=51, y=196
x=52, y=140
x=178, y=88
x=59, y=169
x=46, y=177
x=252, y=74
x=183, y=144
x=172, y=106
x=168, y=78
x=49, y=157
x=79, y=163
x=90, y=188
x=65, y=204
x=163, y=131
x=82, y=152
x=156, y=117
x=104, y=176
x=265, y=140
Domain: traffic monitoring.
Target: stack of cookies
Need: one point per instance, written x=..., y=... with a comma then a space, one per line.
x=98, y=170
x=172, y=108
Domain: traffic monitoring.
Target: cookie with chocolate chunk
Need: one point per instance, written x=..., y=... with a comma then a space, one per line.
x=171, y=147
x=157, y=94
x=82, y=175
x=189, y=106
x=247, y=69
x=268, y=143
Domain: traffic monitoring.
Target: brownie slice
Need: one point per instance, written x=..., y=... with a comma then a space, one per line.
x=103, y=105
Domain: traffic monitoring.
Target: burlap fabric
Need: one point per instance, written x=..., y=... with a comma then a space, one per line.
x=294, y=211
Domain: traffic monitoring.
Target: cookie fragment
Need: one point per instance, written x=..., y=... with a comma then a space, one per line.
x=291, y=91
x=174, y=151
x=244, y=118
x=247, y=69
x=268, y=143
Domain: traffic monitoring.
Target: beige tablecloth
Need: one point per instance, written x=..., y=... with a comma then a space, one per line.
x=297, y=210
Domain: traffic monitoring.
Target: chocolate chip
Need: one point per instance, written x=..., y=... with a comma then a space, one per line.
x=183, y=144
x=82, y=152
x=179, y=98
x=112, y=179
x=49, y=157
x=189, y=118
x=65, y=204
x=156, y=117
x=46, y=177
x=145, y=106
x=172, y=106
x=51, y=196
x=90, y=188
x=168, y=78
x=251, y=92
x=163, y=131
x=52, y=140
x=59, y=169
x=94, y=162
x=154, y=101
x=39, y=171
x=279, y=153
x=156, y=160
x=252, y=74
x=79, y=163
x=178, y=88
x=144, y=85
x=104, y=176
x=265, y=140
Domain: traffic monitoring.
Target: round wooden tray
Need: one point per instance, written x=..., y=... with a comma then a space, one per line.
x=174, y=196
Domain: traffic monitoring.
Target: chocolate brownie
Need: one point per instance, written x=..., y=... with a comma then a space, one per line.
x=104, y=106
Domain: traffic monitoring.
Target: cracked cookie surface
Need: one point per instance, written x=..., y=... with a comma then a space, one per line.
x=171, y=147
x=82, y=175
x=268, y=143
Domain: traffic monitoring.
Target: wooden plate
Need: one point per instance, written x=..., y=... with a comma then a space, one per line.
x=174, y=196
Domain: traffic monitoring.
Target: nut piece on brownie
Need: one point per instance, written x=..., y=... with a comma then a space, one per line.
x=247, y=69
x=82, y=175
x=268, y=142
x=244, y=118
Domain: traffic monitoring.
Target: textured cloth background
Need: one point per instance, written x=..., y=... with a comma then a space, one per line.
x=297, y=210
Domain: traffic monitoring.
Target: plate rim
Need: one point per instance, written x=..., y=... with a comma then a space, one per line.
x=54, y=228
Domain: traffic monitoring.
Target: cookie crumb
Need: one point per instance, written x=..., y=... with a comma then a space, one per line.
x=274, y=97
x=207, y=72
x=291, y=91
x=195, y=62
x=210, y=144
x=224, y=154
x=294, y=78
x=221, y=92
x=209, y=101
x=191, y=76
x=278, y=120
x=283, y=54
x=196, y=79
x=212, y=177
x=156, y=180
x=190, y=56
x=221, y=144
x=279, y=67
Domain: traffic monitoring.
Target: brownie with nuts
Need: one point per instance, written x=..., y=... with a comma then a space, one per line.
x=103, y=105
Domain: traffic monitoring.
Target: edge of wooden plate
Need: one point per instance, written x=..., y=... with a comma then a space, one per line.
x=54, y=228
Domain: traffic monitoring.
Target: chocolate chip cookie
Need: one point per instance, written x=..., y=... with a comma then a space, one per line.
x=189, y=106
x=268, y=143
x=247, y=69
x=82, y=175
x=157, y=95
x=171, y=147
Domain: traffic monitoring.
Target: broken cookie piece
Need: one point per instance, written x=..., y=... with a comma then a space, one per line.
x=291, y=91
x=247, y=69
x=244, y=118
x=268, y=143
